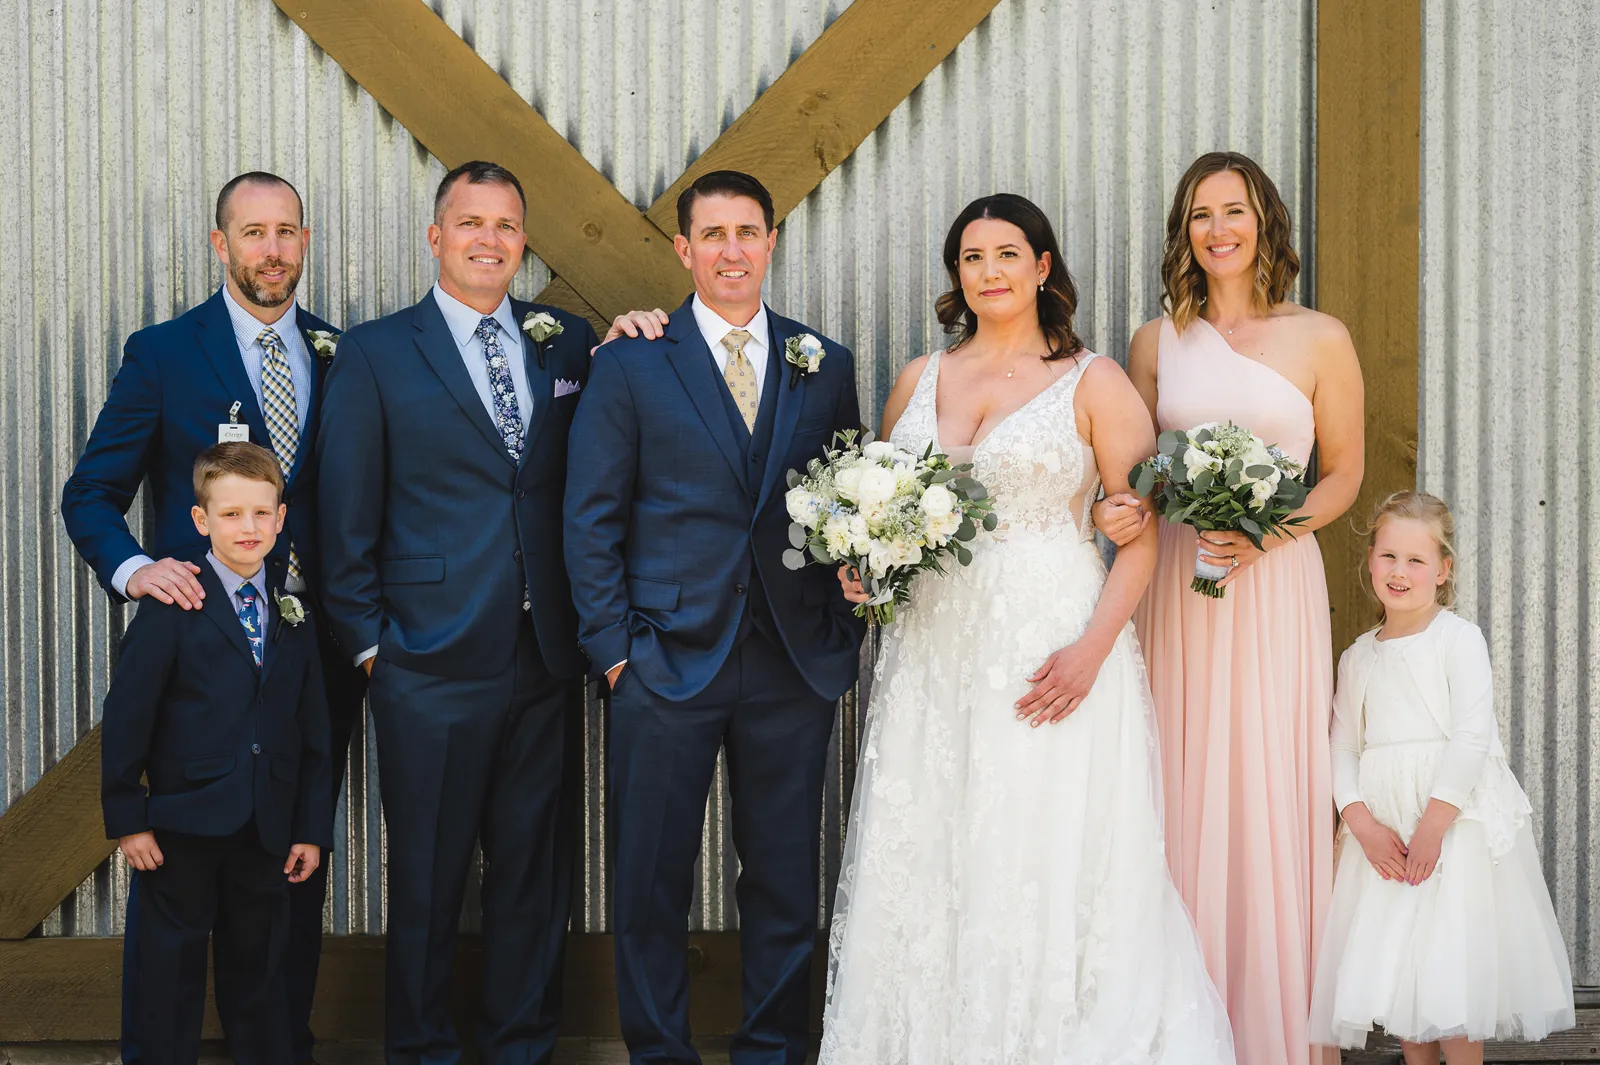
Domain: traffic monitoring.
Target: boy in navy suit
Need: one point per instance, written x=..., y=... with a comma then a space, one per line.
x=222, y=711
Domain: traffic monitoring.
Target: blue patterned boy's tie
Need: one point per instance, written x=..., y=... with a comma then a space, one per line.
x=250, y=618
x=506, y=416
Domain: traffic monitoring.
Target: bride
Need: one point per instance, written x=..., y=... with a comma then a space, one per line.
x=1004, y=896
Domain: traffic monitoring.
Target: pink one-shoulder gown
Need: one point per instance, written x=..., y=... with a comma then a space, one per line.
x=1243, y=688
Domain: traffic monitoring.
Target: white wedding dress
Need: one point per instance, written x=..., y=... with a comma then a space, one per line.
x=1004, y=896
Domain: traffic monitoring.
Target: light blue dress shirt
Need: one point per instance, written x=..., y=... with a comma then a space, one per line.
x=462, y=321
x=247, y=331
x=232, y=582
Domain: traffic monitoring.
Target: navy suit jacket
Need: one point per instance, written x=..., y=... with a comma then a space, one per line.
x=430, y=532
x=218, y=741
x=663, y=528
x=175, y=385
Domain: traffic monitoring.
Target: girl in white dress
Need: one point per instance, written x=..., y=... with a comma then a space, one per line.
x=1441, y=928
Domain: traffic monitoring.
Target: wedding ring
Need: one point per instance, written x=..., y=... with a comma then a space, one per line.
x=1233, y=562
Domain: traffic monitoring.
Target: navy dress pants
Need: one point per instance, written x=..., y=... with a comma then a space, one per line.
x=775, y=730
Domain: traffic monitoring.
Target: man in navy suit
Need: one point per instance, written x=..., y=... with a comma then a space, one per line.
x=215, y=772
x=676, y=529
x=245, y=364
x=443, y=457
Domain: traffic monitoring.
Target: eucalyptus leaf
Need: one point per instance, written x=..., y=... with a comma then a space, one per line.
x=991, y=522
x=797, y=535
x=820, y=553
x=794, y=559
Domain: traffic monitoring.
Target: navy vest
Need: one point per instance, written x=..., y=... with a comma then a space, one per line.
x=756, y=449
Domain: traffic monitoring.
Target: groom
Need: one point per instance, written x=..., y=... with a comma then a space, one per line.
x=676, y=529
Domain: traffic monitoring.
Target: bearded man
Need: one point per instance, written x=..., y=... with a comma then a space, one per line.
x=247, y=364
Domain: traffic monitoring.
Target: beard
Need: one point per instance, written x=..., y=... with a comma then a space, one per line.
x=260, y=292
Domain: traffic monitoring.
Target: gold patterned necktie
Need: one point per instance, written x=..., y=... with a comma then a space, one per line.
x=283, y=418
x=741, y=377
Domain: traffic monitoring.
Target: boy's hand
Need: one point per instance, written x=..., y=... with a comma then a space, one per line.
x=1380, y=843
x=141, y=851
x=303, y=861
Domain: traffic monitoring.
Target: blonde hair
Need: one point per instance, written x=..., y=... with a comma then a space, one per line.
x=250, y=461
x=1432, y=512
x=1277, y=263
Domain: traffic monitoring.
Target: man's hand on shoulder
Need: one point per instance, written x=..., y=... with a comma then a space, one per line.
x=651, y=325
x=170, y=581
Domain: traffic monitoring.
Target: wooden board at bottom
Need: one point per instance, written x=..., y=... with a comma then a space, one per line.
x=70, y=988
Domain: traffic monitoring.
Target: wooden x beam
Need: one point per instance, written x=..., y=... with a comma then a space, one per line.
x=608, y=256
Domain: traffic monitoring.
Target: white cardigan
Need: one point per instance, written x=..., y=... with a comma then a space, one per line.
x=1449, y=661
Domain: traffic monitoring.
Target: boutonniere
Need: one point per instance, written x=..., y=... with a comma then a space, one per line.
x=290, y=610
x=324, y=342
x=803, y=353
x=542, y=328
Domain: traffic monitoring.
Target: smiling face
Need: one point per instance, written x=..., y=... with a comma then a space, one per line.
x=1223, y=227
x=1406, y=566
x=262, y=244
x=243, y=518
x=727, y=251
x=1000, y=275
x=478, y=239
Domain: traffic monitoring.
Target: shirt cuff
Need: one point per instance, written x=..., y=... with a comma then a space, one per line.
x=370, y=652
x=119, y=579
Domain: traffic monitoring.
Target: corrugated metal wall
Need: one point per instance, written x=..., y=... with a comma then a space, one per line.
x=120, y=121
x=1510, y=419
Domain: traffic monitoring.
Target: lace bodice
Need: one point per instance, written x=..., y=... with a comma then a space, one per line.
x=1038, y=470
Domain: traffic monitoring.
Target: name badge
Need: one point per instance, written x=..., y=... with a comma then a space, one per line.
x=232, y=430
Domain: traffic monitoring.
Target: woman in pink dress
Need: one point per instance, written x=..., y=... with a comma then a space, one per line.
x=1243, y=685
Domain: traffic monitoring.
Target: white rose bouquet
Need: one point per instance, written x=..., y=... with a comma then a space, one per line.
x=1221, y=476
x=885, y=512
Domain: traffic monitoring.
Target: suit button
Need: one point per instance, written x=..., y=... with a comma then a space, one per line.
x=255, y=748
x=517, y=555
x=521, y=494
x=738, y=589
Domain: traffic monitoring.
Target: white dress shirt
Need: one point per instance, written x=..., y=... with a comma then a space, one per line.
x=462, y=321
x=714, y=327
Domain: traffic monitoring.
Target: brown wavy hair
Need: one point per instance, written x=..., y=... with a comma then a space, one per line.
x=1277, y=263
x=1058, y=300
x=1432, y=512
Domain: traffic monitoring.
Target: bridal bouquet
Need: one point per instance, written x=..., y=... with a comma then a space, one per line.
x=1221, y=476
x=885, y=512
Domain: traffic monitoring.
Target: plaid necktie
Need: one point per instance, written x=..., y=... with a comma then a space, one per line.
x=741, y=377
x=250, y=618
x=283, y=417
x=507, y=418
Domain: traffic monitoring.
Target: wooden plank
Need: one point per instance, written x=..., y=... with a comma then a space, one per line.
x=1369, y=127
x=38, y=975
x=1576, y=1044
x=51, y=839
x=458, y=108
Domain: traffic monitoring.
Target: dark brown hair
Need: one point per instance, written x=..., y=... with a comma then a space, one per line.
x=1277, y=263
x=477, y=172
x=723, y=183
x=1058, y=299
x=241, y=458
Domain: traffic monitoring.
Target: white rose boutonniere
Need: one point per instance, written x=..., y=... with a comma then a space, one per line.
x=290, y=609
x=324, y=342
x=541, y=327
x=804, y=353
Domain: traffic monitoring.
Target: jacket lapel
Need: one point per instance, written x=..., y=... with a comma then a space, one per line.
x=1426, y=663
x=691, y=361
x=790, y=400
x=222, y=348
x=439, y=348
x=217, y=606
x=541, y=382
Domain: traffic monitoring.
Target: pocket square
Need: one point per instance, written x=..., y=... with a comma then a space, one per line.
x=566, y=388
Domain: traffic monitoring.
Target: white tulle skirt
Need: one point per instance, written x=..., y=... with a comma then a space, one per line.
x=1474, y=951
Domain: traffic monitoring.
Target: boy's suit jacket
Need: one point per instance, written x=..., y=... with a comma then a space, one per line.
x=218, y=742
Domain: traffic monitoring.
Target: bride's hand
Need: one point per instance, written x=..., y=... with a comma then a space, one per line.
x=850, y=581
x=1061, y=684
